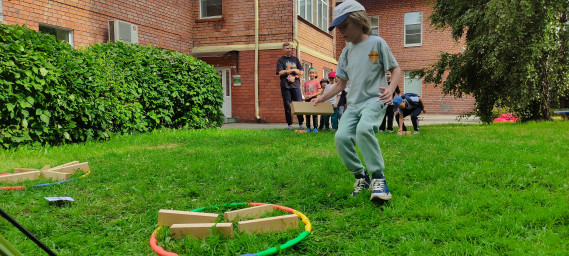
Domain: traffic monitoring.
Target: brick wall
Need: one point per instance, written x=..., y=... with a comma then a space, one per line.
x=312, y=37
x=89, y=19
x=175, y=25
x=319, y=64
x=238, y=24
x=391, y=28
x=270, y=99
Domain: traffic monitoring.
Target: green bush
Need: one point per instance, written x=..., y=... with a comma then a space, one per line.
x=51, y=93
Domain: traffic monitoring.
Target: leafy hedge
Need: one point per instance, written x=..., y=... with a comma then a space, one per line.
x=51, y=93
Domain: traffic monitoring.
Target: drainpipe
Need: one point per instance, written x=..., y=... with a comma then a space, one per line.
x=1, y=13
x=257, y=60
x=295, y=27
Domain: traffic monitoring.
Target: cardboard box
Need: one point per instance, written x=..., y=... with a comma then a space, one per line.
x=308, y=108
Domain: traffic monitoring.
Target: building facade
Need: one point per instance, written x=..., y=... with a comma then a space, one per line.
x=242, y=39
x=405, y=26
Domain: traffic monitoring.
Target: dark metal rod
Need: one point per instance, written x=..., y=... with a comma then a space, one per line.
x=27, y=233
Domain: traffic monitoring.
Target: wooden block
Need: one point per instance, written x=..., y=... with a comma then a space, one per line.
x=251, y=212
x=169, y=217
x=67, y=164
x=201, y=230
x=300, y=131
x=71, y=169
x=308, y=108
x=33, y=175
x=45, y=167
x=272, y=224
x=56, y=176
x=22, y=170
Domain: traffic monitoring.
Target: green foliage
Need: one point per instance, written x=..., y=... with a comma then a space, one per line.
x=51, y=93
x=516, y=56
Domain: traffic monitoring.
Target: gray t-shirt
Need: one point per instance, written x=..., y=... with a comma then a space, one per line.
x=328, y=88
x=364, y=65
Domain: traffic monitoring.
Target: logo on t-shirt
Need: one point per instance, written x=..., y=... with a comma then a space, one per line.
x=374, y=57
x=290, y=65
x=310, y=89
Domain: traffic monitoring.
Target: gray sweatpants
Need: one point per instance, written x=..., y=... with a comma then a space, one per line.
x=358, y=125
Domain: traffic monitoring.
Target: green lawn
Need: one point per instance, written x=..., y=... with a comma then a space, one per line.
x=457, y=190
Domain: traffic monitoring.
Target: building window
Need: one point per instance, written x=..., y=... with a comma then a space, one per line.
x=325, y=72
x=305, y=9
x=322, y=15
x=413, y=29
x=315, y=12
x=413, y=84
x=374, y=20
x=60, y=33
x=210, y=9
x=306, y=66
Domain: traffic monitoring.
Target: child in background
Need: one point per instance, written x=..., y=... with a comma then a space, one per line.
x=388, y=118
x=325, y=119
x=363, y=63
x=405, y=105
x=333, y=101
x=311, y=89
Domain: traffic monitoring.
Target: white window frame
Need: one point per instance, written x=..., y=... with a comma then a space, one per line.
x=208, y=17
x=307, y=13
x=316, y=12
x=325, y=72
x=408, y=79
x=323, y=14
x=68, y=33
x=306, y=66
x=376, y=27
x=405, y=31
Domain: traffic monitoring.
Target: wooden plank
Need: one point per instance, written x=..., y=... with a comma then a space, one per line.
x=272, y=224
x=71, y=169
x=66, y=164
x=22, y=170
x=201, y=230
x=170, y=217
x=308, y=108
x=56, y=176
x=33, y=175
x=45, y=167
x=251, y=212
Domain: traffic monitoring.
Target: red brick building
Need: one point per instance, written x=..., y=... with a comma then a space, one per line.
x=406, y=28
x=242, y=39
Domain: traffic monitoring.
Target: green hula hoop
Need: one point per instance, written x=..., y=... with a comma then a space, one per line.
x=307, y=229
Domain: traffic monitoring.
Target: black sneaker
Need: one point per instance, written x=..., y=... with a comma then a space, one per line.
x=362, y=183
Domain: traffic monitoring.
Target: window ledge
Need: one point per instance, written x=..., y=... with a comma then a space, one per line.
x=212, y=19
x=412, y=45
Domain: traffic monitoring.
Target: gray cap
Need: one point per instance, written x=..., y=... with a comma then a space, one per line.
x=343, y=10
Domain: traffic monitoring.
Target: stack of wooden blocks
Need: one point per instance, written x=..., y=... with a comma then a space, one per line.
x=200, y=225
x=58, y=173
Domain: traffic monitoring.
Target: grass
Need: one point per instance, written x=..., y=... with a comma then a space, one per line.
x=457, y=190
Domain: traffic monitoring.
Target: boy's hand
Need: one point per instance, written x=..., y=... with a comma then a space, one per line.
x=386, y=95
x=315, y=100
x=291, y=78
